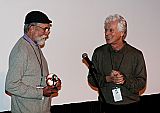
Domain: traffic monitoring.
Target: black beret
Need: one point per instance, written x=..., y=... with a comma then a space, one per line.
x=36, y=17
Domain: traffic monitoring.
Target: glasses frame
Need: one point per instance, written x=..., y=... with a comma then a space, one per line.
x=46, y=29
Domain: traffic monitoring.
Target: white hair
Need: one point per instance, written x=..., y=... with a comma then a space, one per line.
x=122, y=24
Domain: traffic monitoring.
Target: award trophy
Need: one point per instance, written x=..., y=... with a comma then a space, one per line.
x=52, y=79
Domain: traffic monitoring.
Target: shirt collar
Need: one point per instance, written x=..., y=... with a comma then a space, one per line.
x=120, y=51
x=28, y=39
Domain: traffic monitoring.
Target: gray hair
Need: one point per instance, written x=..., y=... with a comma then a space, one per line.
x=122, y=24
x=27, y=26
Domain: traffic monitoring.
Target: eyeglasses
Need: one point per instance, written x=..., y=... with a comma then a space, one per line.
x=46, y=29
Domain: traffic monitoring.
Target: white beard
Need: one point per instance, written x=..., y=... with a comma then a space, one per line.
x=40, y=40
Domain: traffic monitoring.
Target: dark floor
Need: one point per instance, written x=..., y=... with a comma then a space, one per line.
x=95, y=107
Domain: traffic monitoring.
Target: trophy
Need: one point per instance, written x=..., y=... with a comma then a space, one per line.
x=52, y=79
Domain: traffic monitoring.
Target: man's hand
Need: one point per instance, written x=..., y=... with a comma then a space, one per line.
x=50, y=91
x=115, y=77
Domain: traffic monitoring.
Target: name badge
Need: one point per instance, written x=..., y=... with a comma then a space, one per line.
x=117, y=94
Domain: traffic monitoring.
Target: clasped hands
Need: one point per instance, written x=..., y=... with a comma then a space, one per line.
x=116, y=77
x=52, y=91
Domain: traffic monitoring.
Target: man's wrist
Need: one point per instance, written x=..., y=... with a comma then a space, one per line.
x=108, y=79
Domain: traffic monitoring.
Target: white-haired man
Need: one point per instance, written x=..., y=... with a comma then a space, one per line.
x=28, y=68
x=120, y=69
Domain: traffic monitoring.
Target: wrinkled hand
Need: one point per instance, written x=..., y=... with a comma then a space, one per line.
x=115, y=77
x=52, y=91
x=49, y=91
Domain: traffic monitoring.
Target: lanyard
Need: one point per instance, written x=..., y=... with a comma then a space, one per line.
x=119, y=63
x=39, y=60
